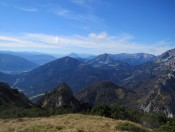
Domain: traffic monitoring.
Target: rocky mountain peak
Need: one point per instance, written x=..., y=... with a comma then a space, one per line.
x=64, y=89
x=62, y=96
x=166, y=60
x=166, y=56
x=103, y=58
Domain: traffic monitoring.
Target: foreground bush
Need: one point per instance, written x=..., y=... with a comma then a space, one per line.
x=168, y=127
x=14, y=112
x=154, y=120
x=126, y=126
x=102, y=110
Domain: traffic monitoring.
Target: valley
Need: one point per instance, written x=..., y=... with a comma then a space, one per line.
x=100, y=86
x=87, y=66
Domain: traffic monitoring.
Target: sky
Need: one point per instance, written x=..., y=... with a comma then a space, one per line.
x=87, y=26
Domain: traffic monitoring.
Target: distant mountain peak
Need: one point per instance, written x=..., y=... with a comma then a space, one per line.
x=15, y=64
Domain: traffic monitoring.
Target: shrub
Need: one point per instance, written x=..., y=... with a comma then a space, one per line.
x=118, y=112
x=168, y=127
x=154, y=120
x=14, y=112
x=126, y=126
x=102, y=110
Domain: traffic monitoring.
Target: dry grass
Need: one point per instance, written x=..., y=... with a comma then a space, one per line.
x=61, y=123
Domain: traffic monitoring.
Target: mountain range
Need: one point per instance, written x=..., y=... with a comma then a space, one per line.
x=75, y=73
x=35, y=57
x=14, y=64
x=154, y=82
x=150, y=81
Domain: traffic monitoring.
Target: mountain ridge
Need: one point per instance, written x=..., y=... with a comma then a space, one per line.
x=74, y=72
x=14, y=64
x=106, y=92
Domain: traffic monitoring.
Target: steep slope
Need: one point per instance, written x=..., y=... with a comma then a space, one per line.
x=106, y=92
x=161, y=98
x=147, y=74
x=12, y=98
x=62, y=96
x=152, y=81
x=14, y=64
x=167, y=59
x=74, y=72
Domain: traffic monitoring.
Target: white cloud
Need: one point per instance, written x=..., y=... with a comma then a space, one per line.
x=95, y=43
x=100, y=36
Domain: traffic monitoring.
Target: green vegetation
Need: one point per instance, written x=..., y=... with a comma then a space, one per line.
x=102, y=110
x=61, y=110
x=131, y=127
x=14, y=112
x=168, y=127
x=44, y=128
x=157, y=121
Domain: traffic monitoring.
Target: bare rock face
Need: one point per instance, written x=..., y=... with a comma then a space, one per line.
x=167, y=59
x=162, y=97
x=62, y=96
x=155, y=83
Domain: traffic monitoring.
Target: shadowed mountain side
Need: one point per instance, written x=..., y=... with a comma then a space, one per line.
x=10, y=79
x=75, y=73
x=12, y=98
x=106, y=92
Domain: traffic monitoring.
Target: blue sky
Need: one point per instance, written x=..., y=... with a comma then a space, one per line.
x=87, y=26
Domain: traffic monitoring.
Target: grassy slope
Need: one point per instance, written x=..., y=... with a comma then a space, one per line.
x=65, y=123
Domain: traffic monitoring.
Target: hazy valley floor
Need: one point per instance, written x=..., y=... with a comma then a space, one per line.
x=62, y=123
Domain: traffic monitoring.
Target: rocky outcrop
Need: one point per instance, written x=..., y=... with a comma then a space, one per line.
x=62, y=96
x=162, y=97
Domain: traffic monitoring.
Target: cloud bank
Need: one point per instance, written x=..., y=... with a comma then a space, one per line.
x=93, y=43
